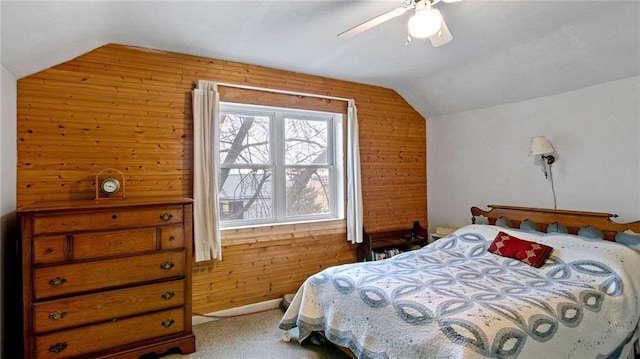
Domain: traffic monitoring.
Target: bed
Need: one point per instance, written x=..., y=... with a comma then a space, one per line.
x=460, y=297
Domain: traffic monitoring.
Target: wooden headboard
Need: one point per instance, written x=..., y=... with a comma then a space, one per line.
x=543, y=217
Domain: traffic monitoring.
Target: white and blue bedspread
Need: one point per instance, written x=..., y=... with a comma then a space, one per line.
x=453, y=299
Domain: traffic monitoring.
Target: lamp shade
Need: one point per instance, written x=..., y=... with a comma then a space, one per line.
x=540, y=146
x=424, y=23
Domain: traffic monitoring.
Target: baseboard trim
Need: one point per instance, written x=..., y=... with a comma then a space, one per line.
x=245, y=309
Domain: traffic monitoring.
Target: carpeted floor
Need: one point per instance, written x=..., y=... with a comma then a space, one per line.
x=254, y=336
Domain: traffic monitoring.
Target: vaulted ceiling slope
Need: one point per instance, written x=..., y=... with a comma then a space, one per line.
x=502, y=51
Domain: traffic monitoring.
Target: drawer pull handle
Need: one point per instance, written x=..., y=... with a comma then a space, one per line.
x=168, y=322
x=115, y=216
x=166, y=216
x=49, y=250
x=168, y=295
x=172, y=238
x=58, y=347
x=166, y=266
x=57, y=315
x=57, y=281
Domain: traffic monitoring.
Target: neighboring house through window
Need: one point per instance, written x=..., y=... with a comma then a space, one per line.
x=279, y=165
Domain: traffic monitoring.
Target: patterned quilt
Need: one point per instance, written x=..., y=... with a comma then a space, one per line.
x=453, y=299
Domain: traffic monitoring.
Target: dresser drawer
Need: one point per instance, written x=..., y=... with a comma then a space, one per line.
x=94, y=338
x=107, y=219
x=50, y=249
x=94, y=308
x=88, y=245
x=87, y=276
x=172, y=237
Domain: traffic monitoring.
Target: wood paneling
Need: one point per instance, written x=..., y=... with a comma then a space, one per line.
x=259, y=264
x=130, y=108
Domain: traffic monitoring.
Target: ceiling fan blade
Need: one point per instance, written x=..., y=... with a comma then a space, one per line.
x=441, y=37
x=374, y=22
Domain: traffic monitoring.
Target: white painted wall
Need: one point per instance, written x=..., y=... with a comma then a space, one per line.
x=8, y=166
x=481, y=157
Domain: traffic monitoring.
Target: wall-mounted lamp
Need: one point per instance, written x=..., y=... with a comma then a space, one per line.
x=545, y=155
x=542, y=147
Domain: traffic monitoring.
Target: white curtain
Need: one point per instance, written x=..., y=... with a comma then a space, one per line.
x=354, y=185
x=206, y=223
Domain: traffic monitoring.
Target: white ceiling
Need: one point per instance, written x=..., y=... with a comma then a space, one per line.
x=502, y=52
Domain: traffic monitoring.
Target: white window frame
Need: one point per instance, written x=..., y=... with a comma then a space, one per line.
x=335, y=162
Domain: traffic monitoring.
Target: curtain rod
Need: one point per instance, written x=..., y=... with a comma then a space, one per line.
x=294, y=93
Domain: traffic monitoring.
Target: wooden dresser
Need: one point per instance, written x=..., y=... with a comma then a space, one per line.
x=106, y=278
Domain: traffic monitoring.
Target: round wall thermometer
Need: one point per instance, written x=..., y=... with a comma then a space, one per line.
x=110, y=186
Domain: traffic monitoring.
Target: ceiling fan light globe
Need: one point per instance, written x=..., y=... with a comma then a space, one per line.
x=424, y=23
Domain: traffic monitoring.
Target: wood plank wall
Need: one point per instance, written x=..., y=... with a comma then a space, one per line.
x=130, y=108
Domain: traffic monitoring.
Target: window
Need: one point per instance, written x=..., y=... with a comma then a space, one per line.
x=278, y=165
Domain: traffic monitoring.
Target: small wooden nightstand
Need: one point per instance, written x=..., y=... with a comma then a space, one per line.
x=441, y=232
x=435, y=236
x=400, y=239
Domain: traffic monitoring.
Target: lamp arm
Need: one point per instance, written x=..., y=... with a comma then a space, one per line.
x=550, y=159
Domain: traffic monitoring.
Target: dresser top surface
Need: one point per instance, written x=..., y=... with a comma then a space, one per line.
x=45, y=206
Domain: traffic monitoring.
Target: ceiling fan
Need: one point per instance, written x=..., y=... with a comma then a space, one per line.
x=426, y=21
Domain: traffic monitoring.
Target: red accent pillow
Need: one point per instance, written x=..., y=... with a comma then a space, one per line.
x=531, y=253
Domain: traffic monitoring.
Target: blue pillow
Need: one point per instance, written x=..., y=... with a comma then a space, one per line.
x=590, y=232
x=503, y=222
x=556, y=228
x=628, y=239
x=528, y=226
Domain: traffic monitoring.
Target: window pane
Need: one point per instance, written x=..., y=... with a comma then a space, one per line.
x=305, y=141
x=278, y=165
x=244, y=139
x=307, y=191
x=245, y=194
